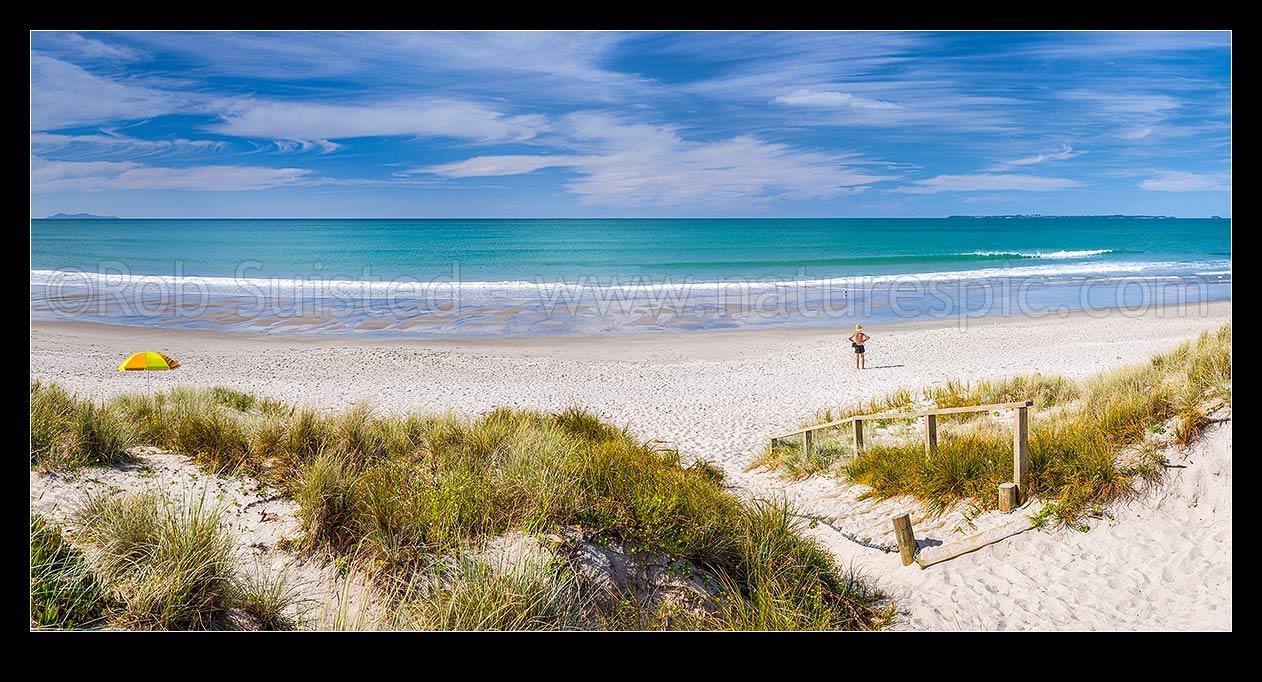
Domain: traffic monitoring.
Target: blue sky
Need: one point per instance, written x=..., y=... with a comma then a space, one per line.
x=308, y=124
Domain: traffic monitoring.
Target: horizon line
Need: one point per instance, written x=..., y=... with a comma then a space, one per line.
x=940, y=217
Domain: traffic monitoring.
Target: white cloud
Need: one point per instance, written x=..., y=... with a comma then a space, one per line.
x=64, y=95
x=484, y=166
x=1132, y=116
x=1093, y=45
x=638, y=165
x=90, y=48
x=543, y=66
x=316, y=124
x=830, y=99
x=563, y=63
x=113, y=143
x=1180, y=181
x=919, y=104
x=91, y=176
x=987, y=182
x=1125, y=103
x=1066, y=152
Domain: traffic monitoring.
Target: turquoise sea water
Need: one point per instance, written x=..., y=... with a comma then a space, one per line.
x=476, y=277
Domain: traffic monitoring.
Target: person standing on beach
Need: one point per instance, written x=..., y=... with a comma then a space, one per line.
x=857, y=339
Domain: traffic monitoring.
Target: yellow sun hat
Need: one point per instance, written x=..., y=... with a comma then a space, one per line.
x=858, y=327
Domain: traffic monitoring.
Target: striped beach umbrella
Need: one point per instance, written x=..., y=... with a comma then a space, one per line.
x=147, y=361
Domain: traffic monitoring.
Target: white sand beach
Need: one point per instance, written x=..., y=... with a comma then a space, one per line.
x=1162, y=562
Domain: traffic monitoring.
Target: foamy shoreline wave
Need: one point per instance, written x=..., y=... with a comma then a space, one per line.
x=229, y=286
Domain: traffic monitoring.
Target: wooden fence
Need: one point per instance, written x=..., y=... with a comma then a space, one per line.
x=1011, y=495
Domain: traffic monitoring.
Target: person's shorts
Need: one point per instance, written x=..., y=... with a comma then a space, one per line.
x=858, y=348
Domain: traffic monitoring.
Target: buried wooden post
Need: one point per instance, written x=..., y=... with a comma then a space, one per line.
x=931, y=432
x=1021, y=453
x=1007, y=497
x=806, y=444
x=858, y=436
x=906, y=539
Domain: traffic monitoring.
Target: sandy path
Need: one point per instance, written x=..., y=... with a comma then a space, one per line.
x=718, y=395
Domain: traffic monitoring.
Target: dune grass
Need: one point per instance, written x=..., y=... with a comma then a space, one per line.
x=173, y=566
x=65, y=594
x=394, y=492
x=1090, y=442
x=400, y=491
x=476, y=595
x=68, y=433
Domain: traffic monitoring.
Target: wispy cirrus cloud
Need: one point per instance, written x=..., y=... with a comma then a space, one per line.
x=112, y=143
x=750, y=65
x=525, y=64
x=94, y=176
x=846, y=79
x=1093, y=45
x=516, y=164
x=1181, y=181
x=990, y=182
x=318, y=123
x=1066, y=152
x=1123, y=103
x=1132, y=116
x=76, y=45
x=643, y=165
x=65, y=95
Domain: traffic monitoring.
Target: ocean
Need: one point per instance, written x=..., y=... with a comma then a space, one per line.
x=443, y=277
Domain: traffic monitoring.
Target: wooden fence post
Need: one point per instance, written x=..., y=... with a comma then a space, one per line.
x=906, y=539
x=858, y=436
x=1007, y=497
x=1021, y=453
x=807, y=439
x=931, y=432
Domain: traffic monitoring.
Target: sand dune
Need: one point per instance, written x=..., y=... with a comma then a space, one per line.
x=1163, y=563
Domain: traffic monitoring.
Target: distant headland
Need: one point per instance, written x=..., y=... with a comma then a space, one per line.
x=80, y=216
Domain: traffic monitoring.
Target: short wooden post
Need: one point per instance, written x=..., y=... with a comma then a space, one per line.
x=931, y=432
x=858, y=436
x=906, y=539
x=1007, y=497
x=807, y=438
x=1021, y=453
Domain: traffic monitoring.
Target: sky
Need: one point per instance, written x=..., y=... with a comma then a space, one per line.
x=610, y=124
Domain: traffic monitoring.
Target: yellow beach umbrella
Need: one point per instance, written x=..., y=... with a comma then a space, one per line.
x=148, y=361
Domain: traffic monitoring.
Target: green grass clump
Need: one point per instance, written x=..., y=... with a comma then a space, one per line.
x=267, y=595
x=476, y=595
x=67, y=432
x=782, y=581
x=64, y=592
x=171, y=566
x=1087, y=439
x=325, y=492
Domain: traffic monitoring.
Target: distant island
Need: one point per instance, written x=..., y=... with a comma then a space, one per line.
x=1041, y=215
x=80, y=216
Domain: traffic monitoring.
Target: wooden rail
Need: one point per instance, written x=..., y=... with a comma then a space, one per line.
x=1020, y=434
